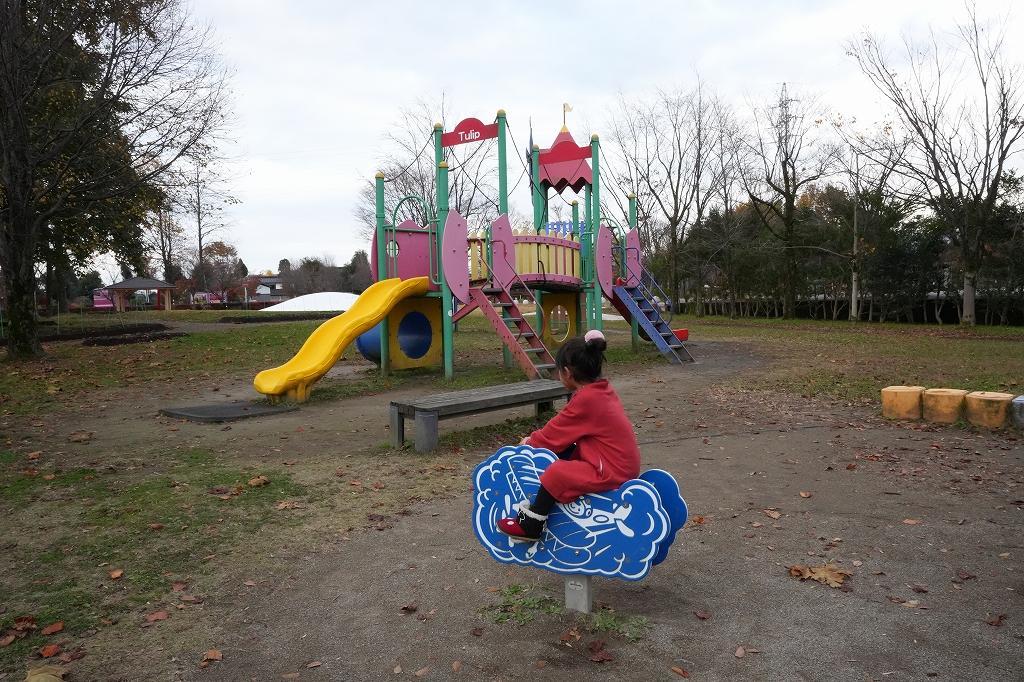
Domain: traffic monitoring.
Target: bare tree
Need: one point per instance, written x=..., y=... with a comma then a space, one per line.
x=410, y=170
x=960, y=103
x=201, y=194
x=667, y=145
x=98, y=99
x=785, y=154
x=165, y=240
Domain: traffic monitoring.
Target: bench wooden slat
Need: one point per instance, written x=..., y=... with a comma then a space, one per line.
x=482, y=399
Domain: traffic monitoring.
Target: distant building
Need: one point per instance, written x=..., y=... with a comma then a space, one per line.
x=269, y=289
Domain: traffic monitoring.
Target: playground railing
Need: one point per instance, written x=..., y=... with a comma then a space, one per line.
x=648, y=285
x=522, y=284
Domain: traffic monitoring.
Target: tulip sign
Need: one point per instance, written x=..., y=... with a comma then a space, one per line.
x=469, y=130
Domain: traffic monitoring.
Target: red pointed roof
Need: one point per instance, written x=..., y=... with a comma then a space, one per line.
x=565, y=164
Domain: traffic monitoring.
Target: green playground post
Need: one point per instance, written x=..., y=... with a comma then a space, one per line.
x=537, y=200
x=382, y=268
x=635, y=326
x=587, y=260
x=583, y=267
x=506, y=355
x=595, y=151
x=447, y=328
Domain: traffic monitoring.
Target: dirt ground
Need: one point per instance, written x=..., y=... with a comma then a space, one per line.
x=926, y=520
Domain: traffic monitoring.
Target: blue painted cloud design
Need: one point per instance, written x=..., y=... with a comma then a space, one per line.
x=618, y=534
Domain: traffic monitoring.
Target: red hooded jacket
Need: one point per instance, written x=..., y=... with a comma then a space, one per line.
x=606, y=454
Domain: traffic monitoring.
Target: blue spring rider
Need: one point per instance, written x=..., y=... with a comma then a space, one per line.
x=618, y=534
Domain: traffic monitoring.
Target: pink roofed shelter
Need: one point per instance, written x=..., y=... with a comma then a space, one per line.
x=122, y=290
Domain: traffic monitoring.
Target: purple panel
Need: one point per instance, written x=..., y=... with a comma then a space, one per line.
x=633, y=258
x=504, y=251
x=455, y=257
x=605, y=264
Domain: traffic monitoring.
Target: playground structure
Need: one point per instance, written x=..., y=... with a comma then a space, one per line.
x=563, y=270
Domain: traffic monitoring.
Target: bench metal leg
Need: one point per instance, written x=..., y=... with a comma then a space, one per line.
x=545, y=407
x=426, y=431
x=579, y=594
x=397, y=428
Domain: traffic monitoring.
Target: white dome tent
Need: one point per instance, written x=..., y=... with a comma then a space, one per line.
x=324, y=301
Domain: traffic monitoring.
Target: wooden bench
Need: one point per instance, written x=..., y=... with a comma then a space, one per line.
x=428, y=410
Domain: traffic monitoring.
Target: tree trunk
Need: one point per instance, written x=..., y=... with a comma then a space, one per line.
x=22, y=335
x=970, y=280
x=855, y=295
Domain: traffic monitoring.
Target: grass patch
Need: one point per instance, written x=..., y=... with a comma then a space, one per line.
x=520, y=604
x=62, y=536
x=633, y=628
x=852, y=362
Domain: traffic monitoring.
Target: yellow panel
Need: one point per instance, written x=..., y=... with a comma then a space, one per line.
x=431, y=308
x=569, y=301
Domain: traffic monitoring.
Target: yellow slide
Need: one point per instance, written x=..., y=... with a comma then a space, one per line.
x=326, y=344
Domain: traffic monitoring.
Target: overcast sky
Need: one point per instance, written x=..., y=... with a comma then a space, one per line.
x=318, y=82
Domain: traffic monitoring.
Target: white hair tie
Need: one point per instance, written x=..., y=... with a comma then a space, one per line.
x=593, y=334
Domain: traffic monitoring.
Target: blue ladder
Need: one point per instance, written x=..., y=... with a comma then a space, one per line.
x=648, y=316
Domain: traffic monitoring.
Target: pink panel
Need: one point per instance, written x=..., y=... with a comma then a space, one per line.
x=633, y=258
x=504, y=251
x=605, y=264
x=413, y=253
x=454, y=255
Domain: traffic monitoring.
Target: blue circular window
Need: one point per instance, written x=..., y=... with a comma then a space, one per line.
x=415, y=335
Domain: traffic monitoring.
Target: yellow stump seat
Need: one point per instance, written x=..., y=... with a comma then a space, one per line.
x=943, y=405
x=902, y=402
x=988, y=408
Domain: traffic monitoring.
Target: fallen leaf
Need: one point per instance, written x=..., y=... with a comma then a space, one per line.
x=178, y=587
x=411, y=607
x=250, y=583
x=155, y=616
x=53, y=628
x=49, y=651
x=912, y=522
x=314, y=664
x=910, y=604
x=477, y=632
x=398, y=670
x=996, y=621
x=804, y=494
x=539, y=665
x=456, y=666
x=920, y=589
x=964, y=574
x=422, y=672
x=73, y=655
x=258, y=481
x=34, y=455
x=851, y=466
x=156, y=526
x=601, y=657
x=49, y=477
x=680, y=671
x=116, y=574
x=213, y=655
x=740, y=652
x=699, y=520
x=702, y=615
x=595, y=646
x=571, y=635
x=7, y=640
x=191, y=599
x=80, y=436
x=772, y=514
x=828, y=574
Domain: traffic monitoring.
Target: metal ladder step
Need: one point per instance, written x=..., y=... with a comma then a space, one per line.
x=533, y=350
x=545, y=366
x=517, y=320
x=491, y=291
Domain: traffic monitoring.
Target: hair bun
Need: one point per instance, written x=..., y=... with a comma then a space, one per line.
x=595, y=340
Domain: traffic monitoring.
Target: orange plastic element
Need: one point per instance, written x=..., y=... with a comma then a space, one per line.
x=902, y=402
x=988, y=408
x=943, y=405
x=681, y=334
